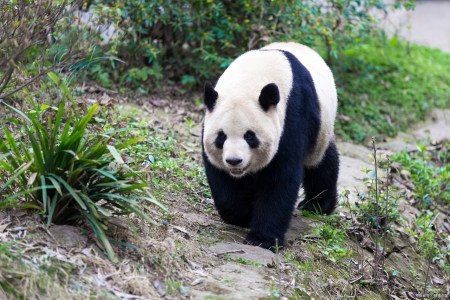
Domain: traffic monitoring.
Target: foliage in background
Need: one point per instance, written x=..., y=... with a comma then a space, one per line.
x=190, y=41
x=69, y=173
x=385, y=85
x=29, y=46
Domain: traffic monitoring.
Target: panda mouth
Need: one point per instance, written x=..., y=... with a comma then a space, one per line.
x=237, y=171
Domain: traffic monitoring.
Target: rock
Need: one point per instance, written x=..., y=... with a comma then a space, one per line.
x=300, y=226
x=68, y=236
x=405, y=174
x=351, y=174
x=233, y=281
x=359, y=152
x=247, y=252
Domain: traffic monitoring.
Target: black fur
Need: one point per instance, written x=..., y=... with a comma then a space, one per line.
x=251, y=139
x=210, y=96
x=320, y=183
x=264, y=201
x=220, y=139
x=270, y=96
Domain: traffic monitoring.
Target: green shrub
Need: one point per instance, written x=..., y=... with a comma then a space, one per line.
x=431, y=181
x=190, y=41
x=385, y=85
x=30, y=43
x=70, y=174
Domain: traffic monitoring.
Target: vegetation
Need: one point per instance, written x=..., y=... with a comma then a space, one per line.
x=30, y=43
x=69, y=173
x=196, y=40
x=429, y=173
x=383, y=86
x=68, y=157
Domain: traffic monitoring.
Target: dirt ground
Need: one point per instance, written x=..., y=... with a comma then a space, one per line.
x=197, y=256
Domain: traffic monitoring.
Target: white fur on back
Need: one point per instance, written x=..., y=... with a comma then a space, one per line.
x=326, y=92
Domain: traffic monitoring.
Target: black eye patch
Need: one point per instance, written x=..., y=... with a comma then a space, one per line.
x=251, y=139
x=220, y=139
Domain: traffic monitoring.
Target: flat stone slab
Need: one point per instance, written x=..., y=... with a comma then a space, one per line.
x=351, y=174
x=233, y=281
x=241, y=251
x=68, y=236
x=358, y=152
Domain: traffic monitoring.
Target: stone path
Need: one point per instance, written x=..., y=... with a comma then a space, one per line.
x=428, y=24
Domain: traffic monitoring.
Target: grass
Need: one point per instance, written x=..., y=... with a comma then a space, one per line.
x=429, y=173
x=25, y=277
x=53, y=162
x=169, y=166
x=385, y=85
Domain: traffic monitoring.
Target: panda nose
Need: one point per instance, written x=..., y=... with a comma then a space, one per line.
x=233, y=161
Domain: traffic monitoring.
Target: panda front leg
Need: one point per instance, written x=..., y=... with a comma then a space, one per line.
x=272, y=213
x=231, y=201
x=320, y=183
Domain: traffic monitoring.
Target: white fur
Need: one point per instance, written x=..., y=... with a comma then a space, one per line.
x=237, y=108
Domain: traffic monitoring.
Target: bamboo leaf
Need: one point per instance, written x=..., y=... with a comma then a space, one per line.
x=44, y=193
x=106, y=174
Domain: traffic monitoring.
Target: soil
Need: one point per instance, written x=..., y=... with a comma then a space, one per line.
x=198, y=256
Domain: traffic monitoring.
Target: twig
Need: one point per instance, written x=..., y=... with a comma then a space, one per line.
x=428, y=270
x=231, y=251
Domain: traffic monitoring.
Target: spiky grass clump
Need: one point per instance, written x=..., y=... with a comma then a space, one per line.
x=69, y=174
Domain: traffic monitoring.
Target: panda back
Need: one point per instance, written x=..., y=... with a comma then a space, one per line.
x=326, y=93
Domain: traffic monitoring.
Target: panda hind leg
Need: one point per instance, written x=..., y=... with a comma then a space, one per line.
x=320, y=183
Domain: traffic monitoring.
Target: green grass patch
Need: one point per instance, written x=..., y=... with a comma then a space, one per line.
x=384, y=86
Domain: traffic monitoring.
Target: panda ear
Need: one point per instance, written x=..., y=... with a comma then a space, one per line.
x=210, y=96
x=270, y=96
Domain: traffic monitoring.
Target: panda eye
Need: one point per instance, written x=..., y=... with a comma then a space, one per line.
x=251, y=139
x=220, y=139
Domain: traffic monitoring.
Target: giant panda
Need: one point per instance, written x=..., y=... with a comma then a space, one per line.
x=268, y=129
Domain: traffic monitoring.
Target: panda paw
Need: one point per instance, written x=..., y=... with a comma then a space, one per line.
x=272, y=244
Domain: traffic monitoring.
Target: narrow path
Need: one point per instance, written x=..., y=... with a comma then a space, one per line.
x=427, y=25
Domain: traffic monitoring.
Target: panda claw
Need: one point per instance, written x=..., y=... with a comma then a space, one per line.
x=272, y=245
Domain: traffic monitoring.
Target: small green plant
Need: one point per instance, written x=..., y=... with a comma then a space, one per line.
x=378, y=207
x=248, y=262
x=332, y=242
x=430, y=174
x=70, y=174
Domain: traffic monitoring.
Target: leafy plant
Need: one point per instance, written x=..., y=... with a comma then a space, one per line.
x=332, y=241
x=201, y=37
x=29, y=48
x=55, y=163
x=431, y=179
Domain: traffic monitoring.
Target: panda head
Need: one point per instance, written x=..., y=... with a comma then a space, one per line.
x=241, y=130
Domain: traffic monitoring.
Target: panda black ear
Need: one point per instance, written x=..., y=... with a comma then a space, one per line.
x=210, y=96
x=270, y=96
